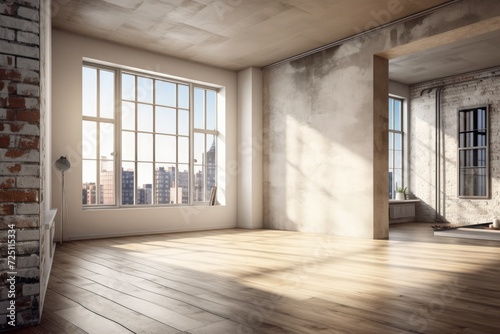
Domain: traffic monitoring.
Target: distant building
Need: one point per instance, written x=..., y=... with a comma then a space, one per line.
x=145, y=194
x=107, y=180
x=90, y=191
x=179, y=193
x=205, y=179
x=211, y=170
x=128, y=187
x=162, y=181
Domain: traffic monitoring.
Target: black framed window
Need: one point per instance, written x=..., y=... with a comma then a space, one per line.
x=473, y=152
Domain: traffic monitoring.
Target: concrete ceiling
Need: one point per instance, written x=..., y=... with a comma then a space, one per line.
x=465, y=56
x=236, y=34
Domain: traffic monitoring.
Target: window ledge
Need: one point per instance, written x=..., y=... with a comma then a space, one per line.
x=396, y=201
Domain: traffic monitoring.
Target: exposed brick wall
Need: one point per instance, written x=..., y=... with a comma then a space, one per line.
x=21, y=205
x=482, y=87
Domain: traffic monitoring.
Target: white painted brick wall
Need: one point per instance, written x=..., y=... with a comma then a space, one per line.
x=485, y=90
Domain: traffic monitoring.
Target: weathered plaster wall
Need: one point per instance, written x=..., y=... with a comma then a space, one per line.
x=323, y=170
x=464, y=90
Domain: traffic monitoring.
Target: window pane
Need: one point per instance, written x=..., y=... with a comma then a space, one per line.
x=107, y=146
x=183, y=96
x=391, y=159
x=211, y=168
x=199, y=184
x=144, y=90
x=473, y=182
x=128, y=183
x=128, y=145
x=166, y=93
x=107, y=94
x=481, y=115
x=183, y=184
x=199, y=108
x=211, y=145
x=165, y=148
x=462, y=140
x=89, y=140
x=145, y=117
x=89, y=91
x=397, y=117
x=165, y=120
x=144, y=183
x=398, y=159
x=199, y=148
x=398, y=141
x=391, y=140
x=128, y=87
x=89, y=180
x=211, y=110
x=482, y=138
x=128, y=115
x=183, y=122
x=183, y=150
x=144, y=147
x=89, y=168
x=473, y=158
x=107, y=180
x=398, y=178
x=164, y=178
x=461, y=121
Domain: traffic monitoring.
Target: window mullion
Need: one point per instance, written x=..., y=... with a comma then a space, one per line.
x=98, y=139
x=192, y=175
x=136, y=153
x=153, y=164
x=118, y=138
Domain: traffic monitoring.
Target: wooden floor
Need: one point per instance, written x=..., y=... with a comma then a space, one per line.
x=261, y=281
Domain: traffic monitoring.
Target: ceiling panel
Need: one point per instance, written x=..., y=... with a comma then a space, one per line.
x=464, y=56
x=232, y=34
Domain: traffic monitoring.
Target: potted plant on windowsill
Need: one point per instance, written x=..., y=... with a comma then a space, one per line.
x=400, y=193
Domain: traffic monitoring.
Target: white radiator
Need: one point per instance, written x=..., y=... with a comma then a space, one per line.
x=401, y=211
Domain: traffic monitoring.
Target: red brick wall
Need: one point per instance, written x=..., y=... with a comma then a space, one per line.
x=20, y=158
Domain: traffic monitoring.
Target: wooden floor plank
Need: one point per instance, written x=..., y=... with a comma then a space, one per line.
x=264, y=281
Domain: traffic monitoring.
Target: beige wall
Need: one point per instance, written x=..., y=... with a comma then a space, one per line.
x=68, y=52
x=324, y=170
x=250, y=148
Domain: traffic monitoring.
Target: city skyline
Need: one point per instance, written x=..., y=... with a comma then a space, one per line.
x=169, y=184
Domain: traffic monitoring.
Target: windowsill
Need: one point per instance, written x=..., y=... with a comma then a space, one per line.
x=396, y=201
x=149, y=207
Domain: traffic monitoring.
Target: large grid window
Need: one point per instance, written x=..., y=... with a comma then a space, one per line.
x=473, y=152
x=166, y=134
x=396, y=147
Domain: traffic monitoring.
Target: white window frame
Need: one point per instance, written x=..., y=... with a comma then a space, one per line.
x=403, y=146
x=117, y=121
